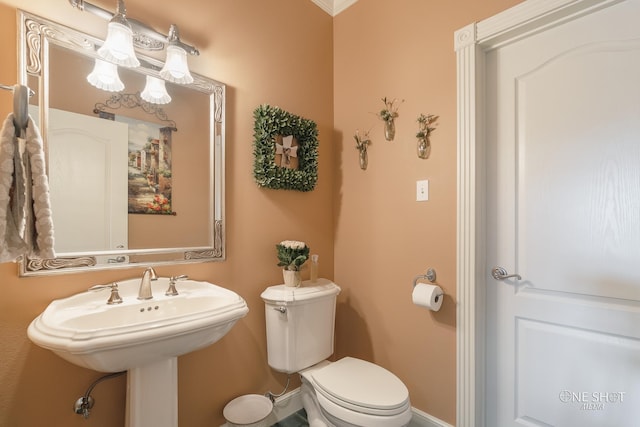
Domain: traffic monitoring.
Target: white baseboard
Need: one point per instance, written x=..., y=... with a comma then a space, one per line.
x=292, y=402
x=422, y=419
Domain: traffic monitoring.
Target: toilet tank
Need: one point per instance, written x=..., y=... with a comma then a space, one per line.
x=300, y=324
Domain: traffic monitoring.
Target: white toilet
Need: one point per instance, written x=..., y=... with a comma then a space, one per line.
x=346, y=393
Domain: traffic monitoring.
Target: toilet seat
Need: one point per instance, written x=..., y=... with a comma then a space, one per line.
x=376, y=391
x=338, y=415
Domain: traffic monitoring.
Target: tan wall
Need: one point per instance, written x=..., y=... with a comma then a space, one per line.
x=384, y=238
x=266, y=52
x=283, y=52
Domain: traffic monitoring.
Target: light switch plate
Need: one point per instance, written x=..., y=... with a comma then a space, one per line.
x=422, y=190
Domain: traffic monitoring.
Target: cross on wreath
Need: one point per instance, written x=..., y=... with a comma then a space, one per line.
x=287, y=151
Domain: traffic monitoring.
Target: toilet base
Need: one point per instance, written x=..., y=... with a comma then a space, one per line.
x=315, y=417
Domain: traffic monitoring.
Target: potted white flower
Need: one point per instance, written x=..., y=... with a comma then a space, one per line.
x=291, y=255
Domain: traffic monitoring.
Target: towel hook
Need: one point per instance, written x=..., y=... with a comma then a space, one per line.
x=12, y=88
x=20, y=108
x=21, y=96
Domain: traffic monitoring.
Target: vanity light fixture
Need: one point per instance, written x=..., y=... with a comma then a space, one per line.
x=105, y=76
x=155, y=91
x=176, y=69
x=125, y=35
x=118, y=47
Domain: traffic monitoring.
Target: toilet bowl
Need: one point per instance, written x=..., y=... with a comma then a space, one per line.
x=354, y=392
x=347, y=393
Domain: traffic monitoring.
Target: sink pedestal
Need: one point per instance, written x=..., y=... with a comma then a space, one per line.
x=152, y=395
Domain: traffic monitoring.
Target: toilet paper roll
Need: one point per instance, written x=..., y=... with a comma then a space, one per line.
x=430, y=296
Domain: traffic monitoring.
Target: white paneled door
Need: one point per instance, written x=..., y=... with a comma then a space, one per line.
x=88, y=177
x=563, y=213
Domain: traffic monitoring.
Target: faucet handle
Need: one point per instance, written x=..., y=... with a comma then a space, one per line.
x=172, y=284
x=114, y=298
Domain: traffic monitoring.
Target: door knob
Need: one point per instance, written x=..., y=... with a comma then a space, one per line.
x=500, y=273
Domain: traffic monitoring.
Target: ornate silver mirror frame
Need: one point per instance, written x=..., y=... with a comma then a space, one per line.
x=36, y=35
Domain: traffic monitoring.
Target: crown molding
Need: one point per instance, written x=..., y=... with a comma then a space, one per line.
x=333, y=7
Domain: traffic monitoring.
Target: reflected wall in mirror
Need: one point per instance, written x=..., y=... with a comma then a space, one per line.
x=102, y=177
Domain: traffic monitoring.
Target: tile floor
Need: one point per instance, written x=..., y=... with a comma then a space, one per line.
x=297, y=419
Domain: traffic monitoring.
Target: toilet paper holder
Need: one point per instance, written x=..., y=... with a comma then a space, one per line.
x=430, y=276
x=437, y=295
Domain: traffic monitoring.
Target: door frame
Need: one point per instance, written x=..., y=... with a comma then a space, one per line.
x=472, y=43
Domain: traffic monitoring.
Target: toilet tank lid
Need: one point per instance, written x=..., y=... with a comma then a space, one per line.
x=322, y=288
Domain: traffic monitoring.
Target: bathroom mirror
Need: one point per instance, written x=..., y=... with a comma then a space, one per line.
x=132, y=183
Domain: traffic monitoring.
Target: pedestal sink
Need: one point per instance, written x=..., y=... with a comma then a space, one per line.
x=143, y=337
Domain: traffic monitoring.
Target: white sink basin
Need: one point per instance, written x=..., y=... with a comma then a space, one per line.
x=84, y=330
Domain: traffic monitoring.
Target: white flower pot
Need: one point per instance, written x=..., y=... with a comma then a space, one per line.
x=292, y=278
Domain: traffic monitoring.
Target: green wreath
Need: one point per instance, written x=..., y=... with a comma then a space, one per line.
x=272, y=121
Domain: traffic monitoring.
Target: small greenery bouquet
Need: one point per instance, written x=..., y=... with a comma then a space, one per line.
x=426, y=125
x=362, y=141
x=390, y=110
x=292, y=254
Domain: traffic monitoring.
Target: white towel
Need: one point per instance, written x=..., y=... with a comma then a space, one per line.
x=11, y=219
x=26, y=227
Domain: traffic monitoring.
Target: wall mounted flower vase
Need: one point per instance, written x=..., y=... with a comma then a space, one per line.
x=424, y=147
x=389, y=129
x=426, y=125
x=362, y=143
x=388, y=115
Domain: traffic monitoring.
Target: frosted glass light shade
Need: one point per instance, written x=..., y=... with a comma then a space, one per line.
x=176, y=69
x=118, y=47
x=105, y=76
x=155, y=91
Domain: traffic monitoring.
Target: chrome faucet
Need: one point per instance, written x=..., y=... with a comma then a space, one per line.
x=114, y=298
x=172, y=291
x=145, y=284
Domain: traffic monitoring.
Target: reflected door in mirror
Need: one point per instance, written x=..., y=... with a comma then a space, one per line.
x=88, y=174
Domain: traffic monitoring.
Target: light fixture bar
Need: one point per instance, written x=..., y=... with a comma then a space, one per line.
x=138, y=27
